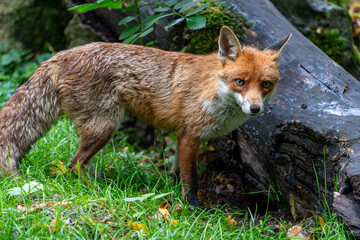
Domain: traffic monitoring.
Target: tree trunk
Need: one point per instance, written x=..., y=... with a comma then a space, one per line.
x=307, y=142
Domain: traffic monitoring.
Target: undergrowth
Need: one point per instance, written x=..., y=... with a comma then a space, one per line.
x=138, y=199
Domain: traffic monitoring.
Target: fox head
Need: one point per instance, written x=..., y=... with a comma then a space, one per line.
x=248, y=76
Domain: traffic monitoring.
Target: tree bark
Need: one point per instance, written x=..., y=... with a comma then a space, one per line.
x=306, y=144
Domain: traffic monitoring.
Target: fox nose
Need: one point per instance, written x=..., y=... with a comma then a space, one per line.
x=254, y=108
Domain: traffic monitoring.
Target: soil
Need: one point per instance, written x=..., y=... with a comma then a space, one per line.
x=224, y=185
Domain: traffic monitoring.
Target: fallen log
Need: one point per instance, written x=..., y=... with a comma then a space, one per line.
x=306, y=144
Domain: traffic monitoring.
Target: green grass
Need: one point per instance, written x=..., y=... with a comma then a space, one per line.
x=128, y=203
x=129, y=198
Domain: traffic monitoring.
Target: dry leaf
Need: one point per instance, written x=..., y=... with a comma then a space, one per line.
x=210, y=148
x=164, y=204
x=49, y=204
x=21, y=208
x=322, y=222
x=201, y=196
x=164, y=212
x=125, y=149
x=54, y=225
x=65, y=204
x=102, y=204
x=57, y=168
x=230, y=221
x=88, y=219
x=319, y=30
x=37, y=206
x=137, y=226
x=144, y=190
x=174, y=222
x=297, y=232
x=178, y=208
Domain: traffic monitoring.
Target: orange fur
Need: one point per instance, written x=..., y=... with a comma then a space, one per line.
x=96, y=84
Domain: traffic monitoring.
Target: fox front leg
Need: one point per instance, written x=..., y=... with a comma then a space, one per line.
x=187, y=156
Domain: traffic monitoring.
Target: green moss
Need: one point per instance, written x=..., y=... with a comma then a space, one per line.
x=329, y=41
x=356, y=53
x=341, y=3
x=217, y=15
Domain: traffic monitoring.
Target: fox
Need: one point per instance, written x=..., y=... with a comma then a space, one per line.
x=199, y=97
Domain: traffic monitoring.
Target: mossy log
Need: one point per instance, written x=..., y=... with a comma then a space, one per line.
x=306, y=144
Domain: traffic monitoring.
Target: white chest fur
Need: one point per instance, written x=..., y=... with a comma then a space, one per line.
x=225, y=109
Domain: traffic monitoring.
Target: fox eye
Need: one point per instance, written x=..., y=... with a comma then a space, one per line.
x=239, y=82
x=266, y=84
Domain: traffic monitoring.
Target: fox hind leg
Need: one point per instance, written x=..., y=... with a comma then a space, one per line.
x=94, y=135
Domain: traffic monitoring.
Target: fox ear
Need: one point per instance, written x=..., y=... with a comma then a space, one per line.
x=279, y=45
x=229, y=45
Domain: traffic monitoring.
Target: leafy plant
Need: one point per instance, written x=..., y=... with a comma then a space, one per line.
x=16, y=66
x=146, y=14
x=341, y=3
x=98, y=4
x=30, y=187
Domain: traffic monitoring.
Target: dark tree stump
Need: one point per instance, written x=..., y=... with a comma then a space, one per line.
x=307, y=142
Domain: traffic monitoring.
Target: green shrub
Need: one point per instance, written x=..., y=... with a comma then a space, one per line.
x=16, y=66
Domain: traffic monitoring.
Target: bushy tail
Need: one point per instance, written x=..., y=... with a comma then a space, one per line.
x=25, y=117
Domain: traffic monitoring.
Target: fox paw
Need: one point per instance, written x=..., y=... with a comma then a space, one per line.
x=193, y=200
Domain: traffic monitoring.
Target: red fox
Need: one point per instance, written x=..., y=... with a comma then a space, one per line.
x=198, y=97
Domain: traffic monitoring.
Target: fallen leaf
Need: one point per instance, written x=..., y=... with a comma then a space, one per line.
x=88, y=219
x=144, y=190
x=201, y=196
x=164, y=212
x=49, y=204
x=54, y=225
x=137, y=226
x=210, y=148
x=21, y=208
x=174, y=222
x=296, y=232
x=57, y=167
x=164, y=204
x=322, y=222
x=319, y=30
x=102, y=204
x=230, y=221
x=65, y=204
x=178, y=208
